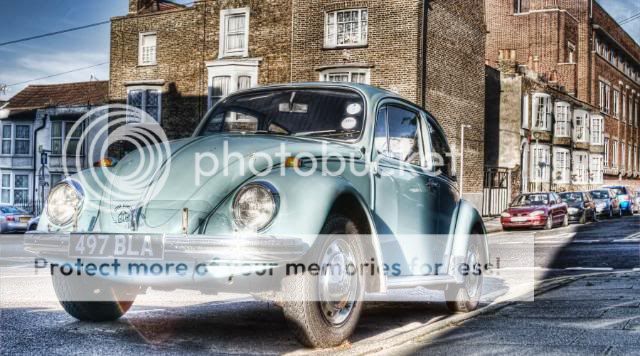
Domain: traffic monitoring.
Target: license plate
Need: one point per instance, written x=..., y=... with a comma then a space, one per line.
x=520, y=219
x=24, y=219
x=139, y=246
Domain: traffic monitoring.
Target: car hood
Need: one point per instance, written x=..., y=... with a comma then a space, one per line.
x=183, y=175
x=575, y=204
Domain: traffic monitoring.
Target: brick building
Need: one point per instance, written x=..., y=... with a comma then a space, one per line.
x=579, y=47
x=174, y=61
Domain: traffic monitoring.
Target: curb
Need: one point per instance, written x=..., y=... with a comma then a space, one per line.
x=454, y=320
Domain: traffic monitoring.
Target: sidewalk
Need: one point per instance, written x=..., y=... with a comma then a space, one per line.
x=595, y=315
x=492, y=224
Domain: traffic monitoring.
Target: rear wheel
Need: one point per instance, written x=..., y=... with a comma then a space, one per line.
x=112, y=302
x=323, y=310
x=465, y=298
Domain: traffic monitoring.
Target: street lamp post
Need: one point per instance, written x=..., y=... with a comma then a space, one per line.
x=462, y=127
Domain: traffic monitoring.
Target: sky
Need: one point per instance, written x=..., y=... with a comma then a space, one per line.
x=61, y=53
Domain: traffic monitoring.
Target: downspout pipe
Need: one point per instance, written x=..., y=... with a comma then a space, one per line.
x=426, y=6
x=35, y=159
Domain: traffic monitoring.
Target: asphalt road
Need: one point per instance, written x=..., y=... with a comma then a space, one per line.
x=31, y=322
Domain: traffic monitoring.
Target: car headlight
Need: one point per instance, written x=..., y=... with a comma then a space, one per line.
x=537, y=213
x=505, y=215
x=572, y=210
x=255, y=206
x=64, y=200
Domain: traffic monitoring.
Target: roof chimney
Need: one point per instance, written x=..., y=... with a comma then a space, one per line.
x=136, y=5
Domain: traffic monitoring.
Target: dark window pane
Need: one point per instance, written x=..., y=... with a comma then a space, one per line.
x=135, y=98
x=56, y=146
x=6, y=196
x=153, y=97
x=6, y=180
x=6, y=131
x=22, y=131
x=21, y=181
x=22, y=147
x=56, y=129
x=403, y=135
x=6, y=147
x=441, y=153
x=20, y=196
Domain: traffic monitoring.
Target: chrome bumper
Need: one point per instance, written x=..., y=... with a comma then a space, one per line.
x=181, y=247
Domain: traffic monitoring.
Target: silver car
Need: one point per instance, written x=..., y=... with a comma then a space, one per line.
x=13, y=219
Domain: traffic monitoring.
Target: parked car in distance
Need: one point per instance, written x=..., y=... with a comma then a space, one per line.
x=636, y=200
x=13, y=219
x=624, y=197
x=33, y=224
x=542, y=210
x=581, y=207
x=607, y=203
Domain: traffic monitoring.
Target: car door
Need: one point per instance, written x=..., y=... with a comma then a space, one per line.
x=405, y=192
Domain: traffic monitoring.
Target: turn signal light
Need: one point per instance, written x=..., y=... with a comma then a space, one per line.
x=104, y=162
x=292, y=162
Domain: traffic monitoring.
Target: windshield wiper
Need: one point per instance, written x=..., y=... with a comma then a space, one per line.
x=311, y=133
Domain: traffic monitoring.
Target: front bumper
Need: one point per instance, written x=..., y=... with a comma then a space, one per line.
x=530, y=222
x=191, y=247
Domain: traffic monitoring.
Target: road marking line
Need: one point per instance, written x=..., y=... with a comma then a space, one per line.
x=636, y=270
x=589, y=269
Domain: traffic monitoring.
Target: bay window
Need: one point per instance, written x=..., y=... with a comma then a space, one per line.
x=5, y=197
x=597, y=130
x=596, y=169
x=346, y=28
x=16, y=139
x=581, y=126
x=540, y=163
x=563, y=120
x=580, y=167
x=542, y=112
x=6, y=139
x=61, y=132
x=561, y=165
x=351, y=75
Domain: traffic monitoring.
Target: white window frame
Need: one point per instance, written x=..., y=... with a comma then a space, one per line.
x=349, y=72
x=607, y=153
x=581, y=132
x=11, y=188
x=580, y=171
x=562, y=127
x=141, y=59
x=224, y=14
x=331, y=30
x=547, y=114
x=597, y=130
x=616, y=103
x=145, y=89
x=540, y=153
x=63, y=138
x=13, y=139
x=525, y=112
x=561, y=165
x=234, y=69
x=596, y=169
x=624, y=107
x=616, y=154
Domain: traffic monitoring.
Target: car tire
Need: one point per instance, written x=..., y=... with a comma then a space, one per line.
x=565, y=222
x=610, y=213
x=549, y=224
x=324, y=324
x=620, y=213
x=97, y=311
x=466, y=297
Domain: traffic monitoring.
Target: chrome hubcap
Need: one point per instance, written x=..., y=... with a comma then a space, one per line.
x=337, y=282
x=472, y=283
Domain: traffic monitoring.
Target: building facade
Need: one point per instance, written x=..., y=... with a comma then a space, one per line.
x=175, y=61
x=579, y=47
x=40, y=119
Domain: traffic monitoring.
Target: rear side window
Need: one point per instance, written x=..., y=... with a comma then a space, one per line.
x=442, y=156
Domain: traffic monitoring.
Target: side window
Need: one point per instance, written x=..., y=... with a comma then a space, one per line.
x=442, y=156
x=404, y=137
x=380, y=140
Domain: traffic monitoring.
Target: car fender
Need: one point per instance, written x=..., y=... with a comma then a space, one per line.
x=305, y=204
x=469, y=224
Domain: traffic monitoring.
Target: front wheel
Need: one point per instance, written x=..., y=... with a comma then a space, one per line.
x=565, y=222
x=323, y=310
x=112, y=302
x=549, y=224
x=465, y=298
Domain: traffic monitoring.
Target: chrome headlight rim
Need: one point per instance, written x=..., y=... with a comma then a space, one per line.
x=275, y=203
x=77, y=189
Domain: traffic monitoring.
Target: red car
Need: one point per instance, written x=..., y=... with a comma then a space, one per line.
x=543, y=210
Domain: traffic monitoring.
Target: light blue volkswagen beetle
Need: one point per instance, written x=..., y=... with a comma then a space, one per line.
x=302, y=175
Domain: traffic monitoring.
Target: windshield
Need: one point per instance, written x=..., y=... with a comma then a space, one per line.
x=571, y=197
x=531, y=199
x=600, y=194
x=11, y=210
x=330, y=113
x=619, y=191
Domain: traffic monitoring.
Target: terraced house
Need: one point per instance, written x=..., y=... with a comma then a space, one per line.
x=593, y=66
x=175, y=61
